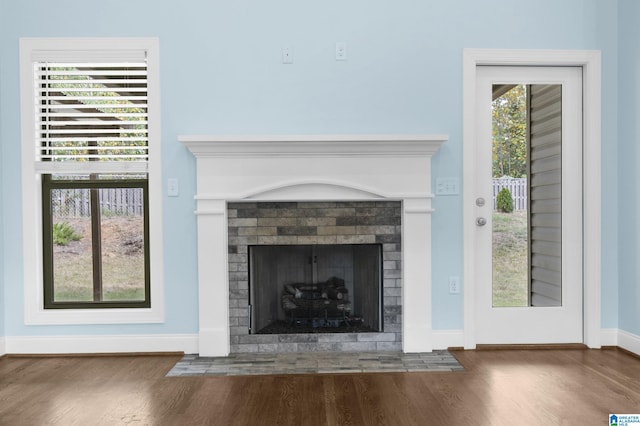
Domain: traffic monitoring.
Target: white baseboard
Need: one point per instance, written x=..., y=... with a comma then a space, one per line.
x=187, y=343
x=629, y=341
x=620, y=338
x=443, y=339
x=609, y=337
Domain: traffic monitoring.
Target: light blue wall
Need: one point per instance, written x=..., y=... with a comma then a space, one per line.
x=629, y=149
x=222, y=73
x=608, y=36
x=2, y=233
x=2, y=230
x=2, y=180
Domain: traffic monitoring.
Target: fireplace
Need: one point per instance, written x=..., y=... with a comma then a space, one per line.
x=280, y=191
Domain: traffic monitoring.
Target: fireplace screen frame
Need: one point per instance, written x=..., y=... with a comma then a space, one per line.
x=310, y=288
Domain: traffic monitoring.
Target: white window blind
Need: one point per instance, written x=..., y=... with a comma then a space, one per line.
x=91, y=117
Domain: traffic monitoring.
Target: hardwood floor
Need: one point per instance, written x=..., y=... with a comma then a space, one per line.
x=507, y=387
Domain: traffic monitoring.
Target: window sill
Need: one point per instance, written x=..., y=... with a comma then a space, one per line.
x=93, y=316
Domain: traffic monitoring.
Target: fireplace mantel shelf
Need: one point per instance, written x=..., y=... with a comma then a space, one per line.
x=312, y=145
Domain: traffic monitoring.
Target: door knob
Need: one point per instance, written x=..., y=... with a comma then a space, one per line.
x=481, y=221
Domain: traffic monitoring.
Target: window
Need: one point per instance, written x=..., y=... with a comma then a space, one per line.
x=95, y=241
x=91, y=173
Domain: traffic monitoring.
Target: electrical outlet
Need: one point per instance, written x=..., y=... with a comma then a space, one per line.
x=447, y=186
x=287, y=55
x=454, y=285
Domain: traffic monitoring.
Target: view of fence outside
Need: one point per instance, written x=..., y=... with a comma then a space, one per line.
x=113, y=201
x=517, y=187
x=122, y=245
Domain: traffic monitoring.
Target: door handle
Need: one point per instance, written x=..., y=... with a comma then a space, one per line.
x=481, y=221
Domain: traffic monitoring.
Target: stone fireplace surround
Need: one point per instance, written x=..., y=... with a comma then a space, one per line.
x=306, y=223
x=312, y=168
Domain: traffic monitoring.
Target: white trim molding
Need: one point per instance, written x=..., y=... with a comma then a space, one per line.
x=445, y=339
x=253, y=146
x=590, y=62
x=609, y=337
x=629, y=341
x=621, y=339
x=187, y=343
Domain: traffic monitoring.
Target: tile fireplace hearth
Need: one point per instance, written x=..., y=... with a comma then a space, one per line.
x=319, y=174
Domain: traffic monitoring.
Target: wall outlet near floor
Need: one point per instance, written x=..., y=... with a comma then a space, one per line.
x=454, y=285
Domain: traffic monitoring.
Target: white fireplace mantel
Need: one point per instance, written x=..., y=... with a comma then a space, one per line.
x=313, y=145
x=318, y=168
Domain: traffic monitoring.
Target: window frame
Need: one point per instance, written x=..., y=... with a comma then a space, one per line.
x=47, y=237
x=86, y=50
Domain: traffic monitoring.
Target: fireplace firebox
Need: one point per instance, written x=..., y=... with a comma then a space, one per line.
x=315, y=288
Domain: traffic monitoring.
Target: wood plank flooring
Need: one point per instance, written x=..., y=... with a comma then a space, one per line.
x=507, y=387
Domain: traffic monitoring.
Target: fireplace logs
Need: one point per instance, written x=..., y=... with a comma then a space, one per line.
x=319, y=305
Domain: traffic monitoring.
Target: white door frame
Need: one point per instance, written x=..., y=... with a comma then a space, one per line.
x=590, y=62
